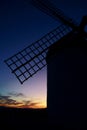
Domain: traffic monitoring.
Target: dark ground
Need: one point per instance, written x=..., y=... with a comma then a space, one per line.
x=26, y=119
x=13, y=118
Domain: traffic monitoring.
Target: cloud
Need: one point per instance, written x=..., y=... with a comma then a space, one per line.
x=4, y=97
x=10, y=102
x=16, y=94
x=33, y=104
x=26, y=102
x=7, y=100
x=30, y=104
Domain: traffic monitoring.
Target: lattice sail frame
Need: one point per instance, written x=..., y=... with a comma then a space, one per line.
x=30, y=60
x=49, y=8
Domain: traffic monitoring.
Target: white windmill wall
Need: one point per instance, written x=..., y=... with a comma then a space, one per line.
x=67, y=82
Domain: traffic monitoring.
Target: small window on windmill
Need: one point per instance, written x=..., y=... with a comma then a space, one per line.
x=85, y=29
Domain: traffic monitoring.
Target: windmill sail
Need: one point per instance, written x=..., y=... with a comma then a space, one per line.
x=50, y=9
x=30, y=60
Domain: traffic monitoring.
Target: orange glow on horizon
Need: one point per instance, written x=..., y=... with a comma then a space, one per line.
x=21, y=105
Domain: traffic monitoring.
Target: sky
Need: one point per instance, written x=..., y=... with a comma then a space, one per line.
x=20, y=25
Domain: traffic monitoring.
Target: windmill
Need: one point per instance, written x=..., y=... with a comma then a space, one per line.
x=64, y=52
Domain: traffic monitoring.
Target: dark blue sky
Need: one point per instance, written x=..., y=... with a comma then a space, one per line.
x=20, y=25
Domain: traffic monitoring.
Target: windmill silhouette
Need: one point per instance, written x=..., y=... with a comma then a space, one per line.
x=64, y=51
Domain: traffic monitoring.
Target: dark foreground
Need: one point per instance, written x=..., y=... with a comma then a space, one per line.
x=27, y=119
x=23, y=118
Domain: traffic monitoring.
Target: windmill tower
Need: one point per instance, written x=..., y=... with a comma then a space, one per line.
x=64, y=51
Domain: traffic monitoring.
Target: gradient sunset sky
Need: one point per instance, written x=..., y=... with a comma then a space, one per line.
x=20, y=25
